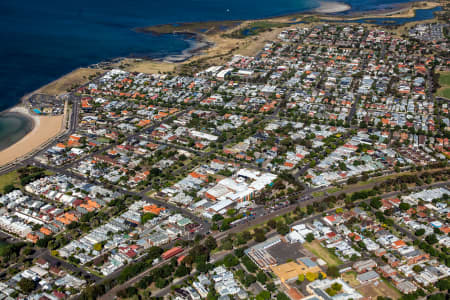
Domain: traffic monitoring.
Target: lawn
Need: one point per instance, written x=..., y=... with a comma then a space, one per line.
x=444, y=79
x=9, y=178
x=444, y=92
x=379, y=288
x=318, y=194
x=444, y=82
x=13, y=178
x=333, y=190
x=316, y=248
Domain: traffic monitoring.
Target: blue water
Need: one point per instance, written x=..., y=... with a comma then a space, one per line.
x=42, y=40
x=421, y=14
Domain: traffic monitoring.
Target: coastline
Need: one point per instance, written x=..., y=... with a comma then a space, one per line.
x=210, y=45
x=44, y=129
x=17, y=113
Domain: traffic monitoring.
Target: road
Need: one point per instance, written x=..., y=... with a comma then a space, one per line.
x=260, y=220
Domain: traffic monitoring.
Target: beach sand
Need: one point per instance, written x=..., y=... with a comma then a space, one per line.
x=328, y=7
x=45, y=128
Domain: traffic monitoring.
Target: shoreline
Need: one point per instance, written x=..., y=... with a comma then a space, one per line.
x=44, y=129
x=17, y=112
x=203, y=45
x=327, y=11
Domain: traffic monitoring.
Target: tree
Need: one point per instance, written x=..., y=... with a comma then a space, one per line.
x=301, y=277
x=98, y=247
x=282, y=228
x=259, y=235
x=404, y=206
x=182, y=270
x=333, y=271
x=376, y=203
x=272, y=223
x=311, y=276
x=309, y=237
x=161, y=283
x=336, y=286
x=249, y=279
x=419, y=232
x=443, y=284
x=27, y=285
x=437, y=297
x=264, y=295
x=146, y=217
x=230, y=261
x=282, y=296
x=211, y=243
x=217, y=217
x=417, y=268
x=8, y=188
x=261, y=277
x=431, y=239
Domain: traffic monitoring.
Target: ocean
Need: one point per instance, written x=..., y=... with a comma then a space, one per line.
x=43, y=40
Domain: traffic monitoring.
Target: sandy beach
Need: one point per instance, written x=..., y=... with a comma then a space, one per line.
x=328, y=7
x=44, y=128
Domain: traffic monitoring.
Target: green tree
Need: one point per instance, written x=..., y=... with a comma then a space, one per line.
x=211, y=243
x=282, y=296
x=261, y=277
x=272, y=223
x=404, y=206
x=264, y=295
x=230, y=261
x=309, y=237
x=333, y=271
x=431, y=239
x=8, y=188
x=443, y=284
x=147, y=217
x=26, y=285
x=419, y=232
x=282, y=228
x=182, y=270
x=259, y=235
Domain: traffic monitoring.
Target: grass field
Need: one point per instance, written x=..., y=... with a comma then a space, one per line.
x=9, y=178
x=315, y=248
x=318, y=194
x=444, y=82
x=382, y=289
x=13, y=178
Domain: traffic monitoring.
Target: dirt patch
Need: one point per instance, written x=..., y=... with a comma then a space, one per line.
x=378, y=288
x=145, y=66
x=350, y=278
